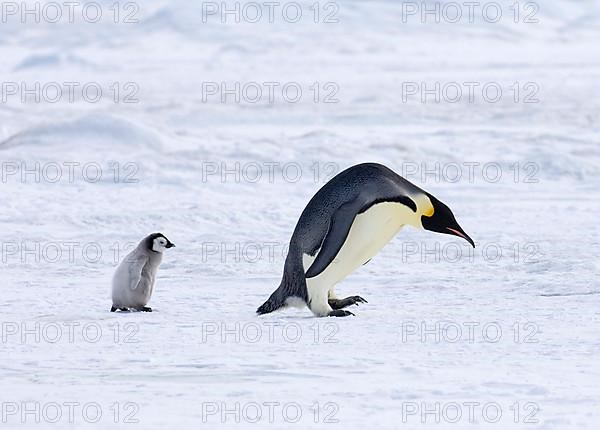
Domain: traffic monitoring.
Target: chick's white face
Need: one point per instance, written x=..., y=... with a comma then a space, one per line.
x=159, y=244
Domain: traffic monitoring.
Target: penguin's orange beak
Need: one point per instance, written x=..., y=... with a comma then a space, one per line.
x=461, y=233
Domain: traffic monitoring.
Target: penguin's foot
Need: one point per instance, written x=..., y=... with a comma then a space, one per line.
x=113, y=309
x=340, y=313
x=145, y=309
x=343, y=303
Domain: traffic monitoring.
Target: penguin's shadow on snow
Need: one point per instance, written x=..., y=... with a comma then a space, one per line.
x=135, y=311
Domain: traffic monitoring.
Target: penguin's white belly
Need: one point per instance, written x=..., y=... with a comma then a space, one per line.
x=369, y=233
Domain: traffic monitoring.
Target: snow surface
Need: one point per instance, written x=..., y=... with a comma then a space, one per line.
x=369, y=370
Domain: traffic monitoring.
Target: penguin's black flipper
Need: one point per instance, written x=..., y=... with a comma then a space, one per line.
x=339, y=227
x=342, y=220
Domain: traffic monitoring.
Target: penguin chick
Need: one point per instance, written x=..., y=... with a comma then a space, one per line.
x=133, y=281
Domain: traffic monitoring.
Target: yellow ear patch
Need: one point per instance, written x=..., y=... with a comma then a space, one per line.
x=429, y=212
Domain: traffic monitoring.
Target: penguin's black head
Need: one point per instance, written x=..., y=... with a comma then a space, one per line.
x=158, y=242
x=442, y=220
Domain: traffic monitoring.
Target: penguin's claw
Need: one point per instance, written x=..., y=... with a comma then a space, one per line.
x=358, y=299
x=348, y=301
x=340, y=313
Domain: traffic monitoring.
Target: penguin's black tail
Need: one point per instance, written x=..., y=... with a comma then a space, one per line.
x=293, y=284
x=275, y=302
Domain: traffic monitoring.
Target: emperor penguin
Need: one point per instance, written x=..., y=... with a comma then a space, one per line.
x=133, y=282
x=348, y=221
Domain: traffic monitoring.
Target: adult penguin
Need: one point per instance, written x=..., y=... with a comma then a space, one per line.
x=348, y=221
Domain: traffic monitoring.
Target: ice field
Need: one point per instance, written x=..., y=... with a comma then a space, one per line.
x=500, y=120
